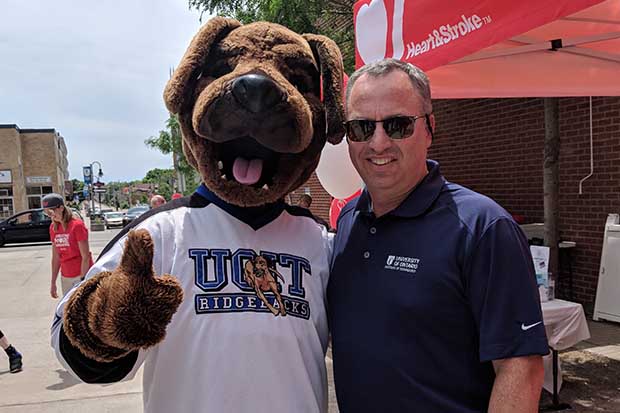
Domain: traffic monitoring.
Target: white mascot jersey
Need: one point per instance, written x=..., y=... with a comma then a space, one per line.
x=225, y=350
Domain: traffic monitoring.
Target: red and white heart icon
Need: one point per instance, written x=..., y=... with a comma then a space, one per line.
x=371, y=30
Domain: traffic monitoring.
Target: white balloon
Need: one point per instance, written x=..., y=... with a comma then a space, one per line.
x=336, y=171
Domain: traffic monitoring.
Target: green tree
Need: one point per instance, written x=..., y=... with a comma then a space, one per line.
x=332, y=18
x=169, y=141
x=163, y=179
x=116, y=196
x=77, y=185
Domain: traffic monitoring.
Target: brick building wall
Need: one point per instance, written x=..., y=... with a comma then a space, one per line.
x=495, y=146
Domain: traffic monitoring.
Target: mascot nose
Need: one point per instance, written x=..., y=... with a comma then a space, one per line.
x=256, y=93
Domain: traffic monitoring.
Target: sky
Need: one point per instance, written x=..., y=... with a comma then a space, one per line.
x=95, y=71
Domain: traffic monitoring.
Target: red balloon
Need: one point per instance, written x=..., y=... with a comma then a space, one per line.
x=337, y=205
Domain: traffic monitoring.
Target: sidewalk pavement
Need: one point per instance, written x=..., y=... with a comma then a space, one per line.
x=26, y=311
x=604, y=340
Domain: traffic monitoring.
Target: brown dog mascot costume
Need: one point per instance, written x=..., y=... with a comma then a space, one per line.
x=240, y=324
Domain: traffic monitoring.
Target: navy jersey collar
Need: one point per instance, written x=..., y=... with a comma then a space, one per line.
x=418, y=201
x=255, y=217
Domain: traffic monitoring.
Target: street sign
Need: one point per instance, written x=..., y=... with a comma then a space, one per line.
x=100, y=190
x=98, y=184
x=88, y=174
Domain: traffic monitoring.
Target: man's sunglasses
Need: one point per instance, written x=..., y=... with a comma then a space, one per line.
x=397, y=127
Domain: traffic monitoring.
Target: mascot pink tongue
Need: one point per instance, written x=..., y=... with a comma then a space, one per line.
x=247, y=172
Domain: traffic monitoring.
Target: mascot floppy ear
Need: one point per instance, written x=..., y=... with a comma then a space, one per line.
x=181, y=85
x=329, y=59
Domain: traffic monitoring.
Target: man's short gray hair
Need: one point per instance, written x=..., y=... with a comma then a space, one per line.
x=418, y=78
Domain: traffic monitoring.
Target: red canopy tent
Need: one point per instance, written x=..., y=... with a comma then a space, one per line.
x=474, y=48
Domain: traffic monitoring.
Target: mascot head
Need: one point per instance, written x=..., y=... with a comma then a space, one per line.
x=256, y=104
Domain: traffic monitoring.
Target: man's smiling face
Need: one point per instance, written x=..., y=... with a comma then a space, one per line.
x=389, y=168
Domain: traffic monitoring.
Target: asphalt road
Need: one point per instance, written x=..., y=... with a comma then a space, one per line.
x=26, y=311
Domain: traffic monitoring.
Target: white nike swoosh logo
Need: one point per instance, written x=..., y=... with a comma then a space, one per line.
x=525, y=328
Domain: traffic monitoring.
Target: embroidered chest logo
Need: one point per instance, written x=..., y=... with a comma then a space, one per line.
x=400, y=263
x=259, y=284
x=263, y=277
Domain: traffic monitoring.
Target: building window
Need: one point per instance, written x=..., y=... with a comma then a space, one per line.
x=39, y=190
x=6, y=207
x=35, y=193
x=6, y=191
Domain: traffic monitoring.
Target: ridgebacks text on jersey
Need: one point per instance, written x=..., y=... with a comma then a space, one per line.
x=251, y=333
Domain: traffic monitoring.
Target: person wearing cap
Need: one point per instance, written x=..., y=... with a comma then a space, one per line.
x=70, y=251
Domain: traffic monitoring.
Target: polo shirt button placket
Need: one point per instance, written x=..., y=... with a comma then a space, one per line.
x=366, y=254
x=373, y=230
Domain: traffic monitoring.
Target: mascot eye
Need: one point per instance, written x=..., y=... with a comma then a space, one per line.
x=220, y=69
x=301, y=83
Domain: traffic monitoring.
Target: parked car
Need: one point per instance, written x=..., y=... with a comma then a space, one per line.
x=113, y=219
x=134, y=213
x=27, y=226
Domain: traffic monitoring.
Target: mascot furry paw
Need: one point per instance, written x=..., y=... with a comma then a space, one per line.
x=240, y=325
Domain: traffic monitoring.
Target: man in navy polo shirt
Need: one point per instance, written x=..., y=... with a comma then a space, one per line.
x=433, y=305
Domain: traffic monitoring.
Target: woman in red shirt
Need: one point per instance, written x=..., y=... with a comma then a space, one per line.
x=70, y=251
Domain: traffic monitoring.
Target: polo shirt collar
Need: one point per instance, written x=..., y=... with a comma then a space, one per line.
x=255, y=217
x=418, y=201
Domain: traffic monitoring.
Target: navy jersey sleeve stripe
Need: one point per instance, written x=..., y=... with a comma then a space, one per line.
x=91, y=371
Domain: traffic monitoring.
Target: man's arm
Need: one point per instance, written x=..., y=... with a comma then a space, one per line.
x=517, y=386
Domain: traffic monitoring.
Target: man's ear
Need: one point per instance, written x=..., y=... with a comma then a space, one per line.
x=328, y=57
x=181, y=84
x=430, y=126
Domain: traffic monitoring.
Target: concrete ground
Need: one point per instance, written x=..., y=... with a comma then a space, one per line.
x=604, y=340
x=26, y=312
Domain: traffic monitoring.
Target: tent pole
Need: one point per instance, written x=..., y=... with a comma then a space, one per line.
x=551, y=179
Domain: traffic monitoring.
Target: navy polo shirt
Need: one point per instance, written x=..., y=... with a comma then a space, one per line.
x=422, y=299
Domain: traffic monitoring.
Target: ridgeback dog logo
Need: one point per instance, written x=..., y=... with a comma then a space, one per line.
x=263, y=277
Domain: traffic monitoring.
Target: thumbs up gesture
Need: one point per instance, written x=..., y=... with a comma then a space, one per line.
x=114, y=313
